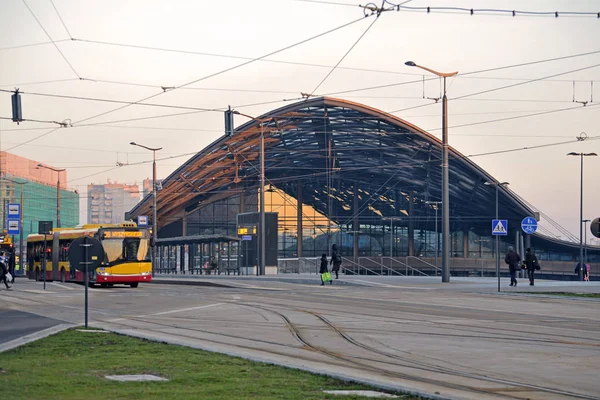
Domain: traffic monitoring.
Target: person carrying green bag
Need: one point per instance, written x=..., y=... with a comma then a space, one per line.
x=325, y=275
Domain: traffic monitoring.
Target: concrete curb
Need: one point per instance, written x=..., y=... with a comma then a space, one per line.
x=34, y=336
x=312, y=370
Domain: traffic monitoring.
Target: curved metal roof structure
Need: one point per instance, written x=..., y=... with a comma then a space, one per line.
x=329, y=145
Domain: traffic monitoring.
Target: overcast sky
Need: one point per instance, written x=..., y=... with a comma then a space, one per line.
x=545, y=177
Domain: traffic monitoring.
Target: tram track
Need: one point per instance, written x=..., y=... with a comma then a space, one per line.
x=419, y=365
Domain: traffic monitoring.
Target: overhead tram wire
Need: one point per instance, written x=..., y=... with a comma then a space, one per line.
x=49, y=37
x=467, y=73
x=22, y=46
x=41, y=82
x=503, y=87
x=229, y=69
x=304, y=64
x=61, y=20
x=496, y=11
x=518, y=117
x=344, y=56
x=109, y=100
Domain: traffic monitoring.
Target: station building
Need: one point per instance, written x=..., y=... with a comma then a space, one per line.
x=345, y=173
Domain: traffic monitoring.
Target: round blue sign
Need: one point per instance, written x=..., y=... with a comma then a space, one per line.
x=529, y=225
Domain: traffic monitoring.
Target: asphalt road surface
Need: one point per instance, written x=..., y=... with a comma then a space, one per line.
x=459, y=340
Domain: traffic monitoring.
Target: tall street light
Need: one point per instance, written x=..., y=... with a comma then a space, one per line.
x=497, y=184
x=58, y=171
x=445, y=178
x=262, y=240
x=437, y=237
x=154, y=222
x=581, y=155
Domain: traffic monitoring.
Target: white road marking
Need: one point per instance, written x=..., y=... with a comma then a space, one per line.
x=37, y=291
x=392, y=286
x=187, y=309
x=61, y=286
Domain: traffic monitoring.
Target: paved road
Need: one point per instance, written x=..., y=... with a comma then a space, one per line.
x=460, y=340
x=17, y=324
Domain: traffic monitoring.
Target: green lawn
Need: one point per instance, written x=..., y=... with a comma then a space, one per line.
x=72, y=365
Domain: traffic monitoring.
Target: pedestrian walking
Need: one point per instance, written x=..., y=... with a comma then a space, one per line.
x=323, y=270
x=4, y=269
x=512, y=259
x=531, y=264
x=336, y=260
x=586, y=272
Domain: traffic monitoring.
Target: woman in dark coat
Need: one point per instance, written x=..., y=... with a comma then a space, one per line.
x=323, y=269
x=531, y=263
x=336, y=260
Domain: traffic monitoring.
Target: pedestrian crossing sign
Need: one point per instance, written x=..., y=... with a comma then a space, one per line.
x=499, y=227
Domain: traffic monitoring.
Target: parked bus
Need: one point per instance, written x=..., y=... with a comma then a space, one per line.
x=126, y=255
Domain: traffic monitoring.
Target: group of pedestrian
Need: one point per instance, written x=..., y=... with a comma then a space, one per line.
x=530, y=263
x=336, y=261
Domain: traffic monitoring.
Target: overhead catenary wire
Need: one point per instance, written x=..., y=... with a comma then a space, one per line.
x=519, y=117
x=52, y=40
x=60, y=96
x=496, y=11
x=344, y=56
x=22, y=46
x=228, y=69
x=61, y=20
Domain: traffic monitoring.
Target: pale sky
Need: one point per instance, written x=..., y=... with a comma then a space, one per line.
x=545, y=177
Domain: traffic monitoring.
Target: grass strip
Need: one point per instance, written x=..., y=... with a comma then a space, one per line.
x=73, y=365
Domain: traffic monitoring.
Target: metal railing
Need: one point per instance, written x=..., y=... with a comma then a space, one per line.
x=301, y=265
x=390, y=270
x=438, y=270
x=356, y=269
x=408, y=270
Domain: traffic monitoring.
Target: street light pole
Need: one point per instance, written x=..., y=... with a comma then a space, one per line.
x=58, y=171
x=497, y=184
x=262, y=260
x=262, y=264
x=154, y=214
x=445, y=175
x=581, y=265
x=437, y=237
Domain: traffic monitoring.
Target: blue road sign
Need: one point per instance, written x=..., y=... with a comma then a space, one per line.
x=12, y=227
x=14, y=211
x=142, y=220
x=246, y=237
x=529, y=225
x=499, y=227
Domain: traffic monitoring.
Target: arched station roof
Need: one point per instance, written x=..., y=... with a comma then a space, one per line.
x=329, y=146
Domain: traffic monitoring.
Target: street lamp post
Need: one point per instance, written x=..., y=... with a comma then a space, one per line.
x=154, y=217
x=437, y=237
x=445, y=177
x=497, y=184
x=262, y=261
x=58, y=171
x=581, y=155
